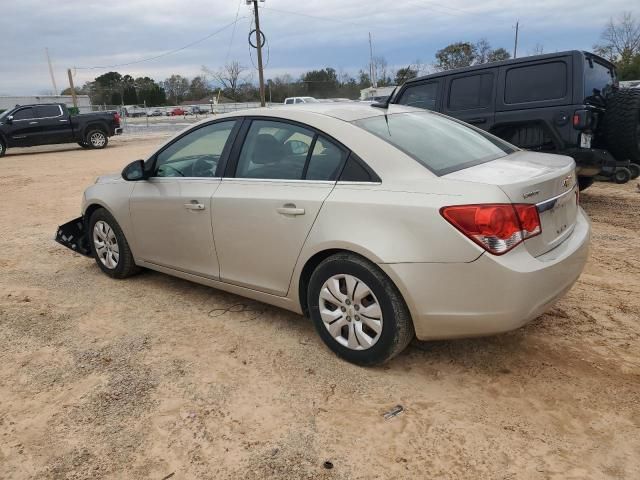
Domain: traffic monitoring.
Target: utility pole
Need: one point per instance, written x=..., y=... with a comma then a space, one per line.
x=53, y=79
x=259, y=48
x=372, y=68
x=515, y=46
x=73, y=89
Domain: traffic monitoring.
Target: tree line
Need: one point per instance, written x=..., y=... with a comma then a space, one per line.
x=620, y=43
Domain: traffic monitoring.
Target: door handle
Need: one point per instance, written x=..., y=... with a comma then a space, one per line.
x=475, y=121
x=33, y=123
x=194, y=205
x=290, y=209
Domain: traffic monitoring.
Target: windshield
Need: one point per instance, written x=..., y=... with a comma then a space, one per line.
x=441, y=144
x=598, y=79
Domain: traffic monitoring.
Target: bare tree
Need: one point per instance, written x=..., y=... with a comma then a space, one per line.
x=620, y=39
x=483, y=50
x=538, y=49
x=230, y=77
x=380, y=69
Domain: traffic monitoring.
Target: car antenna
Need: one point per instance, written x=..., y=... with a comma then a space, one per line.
x=386, y=103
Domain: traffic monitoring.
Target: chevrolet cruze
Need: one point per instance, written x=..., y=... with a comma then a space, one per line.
x=380, y=224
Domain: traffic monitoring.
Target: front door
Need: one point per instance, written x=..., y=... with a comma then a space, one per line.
x=262, y=216
x=24, y=129
x=171, y=211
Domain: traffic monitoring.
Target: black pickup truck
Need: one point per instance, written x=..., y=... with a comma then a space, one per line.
x=567, y=103
x=51, y=123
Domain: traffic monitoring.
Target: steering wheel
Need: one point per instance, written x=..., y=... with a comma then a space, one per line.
x=202, y=167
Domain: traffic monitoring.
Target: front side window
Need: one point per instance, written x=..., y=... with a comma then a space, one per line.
x=440, y=143
x=274, y=150
x=197, y=154
x=535, y=83
x=421, y=96
x=474, y=91
x=24, y=114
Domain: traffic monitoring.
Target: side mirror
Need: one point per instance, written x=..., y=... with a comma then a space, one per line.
x=134, y=171
x=10, y=119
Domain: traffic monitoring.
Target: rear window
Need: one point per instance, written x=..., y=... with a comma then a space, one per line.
x=471, y=92
x=535, y=83
x=597, y=78
x=441, y=144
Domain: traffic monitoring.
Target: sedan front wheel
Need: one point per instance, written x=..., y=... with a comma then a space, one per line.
x=358, y=312
x=109, y=245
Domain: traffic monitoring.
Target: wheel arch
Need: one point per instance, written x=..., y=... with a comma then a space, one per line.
x=95, y=125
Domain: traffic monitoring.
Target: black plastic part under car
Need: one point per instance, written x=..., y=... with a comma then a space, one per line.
x=73, y=235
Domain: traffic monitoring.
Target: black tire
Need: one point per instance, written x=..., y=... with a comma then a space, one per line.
x=622, y=175
x=125, y=266
x=585, y=182
x=96, y=139
x=622, y=124
x=634, y=168
x=397, y=327
x=3, y=148
x=84, y=145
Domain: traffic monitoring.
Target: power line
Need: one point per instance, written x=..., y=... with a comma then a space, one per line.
x=326, y=19
x=233, y=32
x=165, y=54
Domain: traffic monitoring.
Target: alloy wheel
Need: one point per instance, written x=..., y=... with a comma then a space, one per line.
x=98, y=139
x=350, y=312
x=106, y=244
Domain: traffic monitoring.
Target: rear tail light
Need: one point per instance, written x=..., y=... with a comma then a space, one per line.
x=581, y=119
x=497, y=228
x=116, y=118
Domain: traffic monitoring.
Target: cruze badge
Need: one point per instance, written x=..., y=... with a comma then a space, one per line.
x=530, y=194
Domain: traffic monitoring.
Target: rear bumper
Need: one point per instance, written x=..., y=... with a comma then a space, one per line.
x=118, y=131
x=492, y=294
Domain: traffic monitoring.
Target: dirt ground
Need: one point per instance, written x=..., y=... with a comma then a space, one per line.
x=155, y=377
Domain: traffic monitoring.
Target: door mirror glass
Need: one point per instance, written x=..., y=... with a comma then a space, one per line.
x=134, y=171
x=10, y=119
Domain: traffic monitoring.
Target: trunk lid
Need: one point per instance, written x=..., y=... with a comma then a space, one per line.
x=549, y=181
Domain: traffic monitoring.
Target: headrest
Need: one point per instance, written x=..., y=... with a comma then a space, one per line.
x=267, y=149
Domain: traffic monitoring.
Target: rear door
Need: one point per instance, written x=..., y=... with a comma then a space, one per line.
x=280, y=177
x=55, y=126
x=470, y=97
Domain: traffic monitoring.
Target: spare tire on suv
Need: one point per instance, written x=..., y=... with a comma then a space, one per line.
x=622, y=124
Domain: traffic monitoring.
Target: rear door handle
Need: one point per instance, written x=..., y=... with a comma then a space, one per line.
x=33, y=123
x=194, y=205
x=290, y=209
x=475, y=121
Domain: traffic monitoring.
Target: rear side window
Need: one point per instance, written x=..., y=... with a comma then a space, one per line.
x=535, y=83
x=421, y=96
x=355, y=170
x=474, y=91
x=45, y=111
x=325, y=161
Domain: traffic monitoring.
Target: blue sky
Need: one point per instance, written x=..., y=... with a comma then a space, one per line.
x=302, y=35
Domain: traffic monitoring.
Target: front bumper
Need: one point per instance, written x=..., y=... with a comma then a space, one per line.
x=73, y=235
x=492, y=294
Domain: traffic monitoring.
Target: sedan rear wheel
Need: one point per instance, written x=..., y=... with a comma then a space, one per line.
x=109, y=245
x=357, y=310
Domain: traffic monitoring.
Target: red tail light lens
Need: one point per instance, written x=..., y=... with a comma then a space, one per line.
x=497, y=228
x=116, y=118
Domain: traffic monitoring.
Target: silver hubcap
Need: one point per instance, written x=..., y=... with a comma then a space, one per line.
x=106, y=244
x=97, y=139
x=350, y=312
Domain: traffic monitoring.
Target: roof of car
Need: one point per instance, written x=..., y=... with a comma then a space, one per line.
x=511, y=61
x=347, y=111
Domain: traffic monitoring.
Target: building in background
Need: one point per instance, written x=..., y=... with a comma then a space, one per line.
x=7, y=102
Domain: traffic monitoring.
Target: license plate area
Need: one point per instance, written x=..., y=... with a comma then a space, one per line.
x=558, y=217
x=585, y=140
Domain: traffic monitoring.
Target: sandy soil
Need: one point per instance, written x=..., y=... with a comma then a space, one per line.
x=154, y=376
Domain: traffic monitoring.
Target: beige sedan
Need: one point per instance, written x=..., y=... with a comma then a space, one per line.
x=379, y=224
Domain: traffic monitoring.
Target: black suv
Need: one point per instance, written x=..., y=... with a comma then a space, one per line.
x=567, y=103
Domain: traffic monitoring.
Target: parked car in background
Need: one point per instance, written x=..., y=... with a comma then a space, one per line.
x=199, y=110
x=177, y=111
x=297, y=100
x=134, y=111
x=51, y=123
x=155, y=112
x=567, y=103
x=380, y=224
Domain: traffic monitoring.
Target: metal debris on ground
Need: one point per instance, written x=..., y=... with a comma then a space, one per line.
x=395, y=411
x=328, y=465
